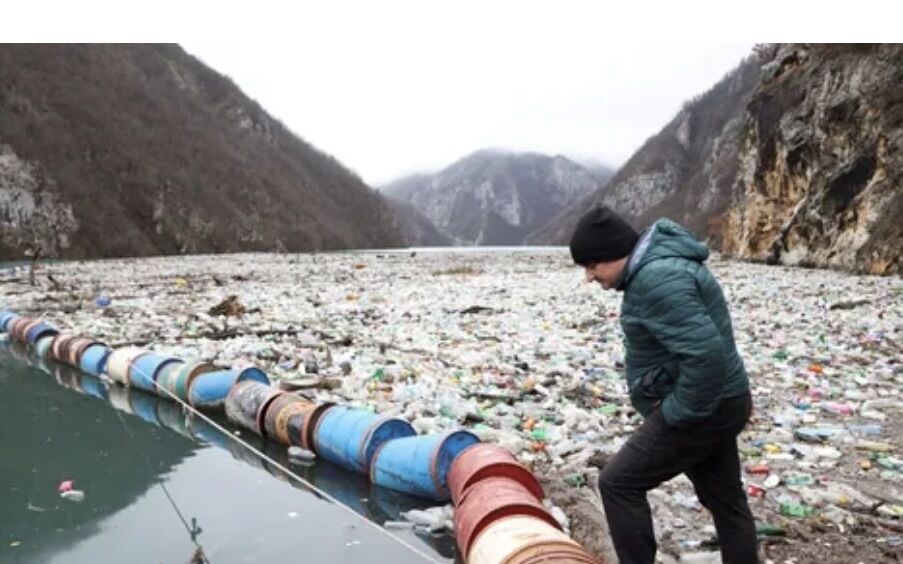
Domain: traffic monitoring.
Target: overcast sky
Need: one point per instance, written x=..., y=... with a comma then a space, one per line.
x=416, y=93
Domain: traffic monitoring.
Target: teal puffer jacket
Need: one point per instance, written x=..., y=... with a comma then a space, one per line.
x=677, y=329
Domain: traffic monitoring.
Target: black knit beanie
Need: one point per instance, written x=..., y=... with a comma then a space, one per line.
x=602, y=235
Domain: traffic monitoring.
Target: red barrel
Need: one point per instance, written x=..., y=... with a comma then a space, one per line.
x=525, y=540
x=492, y=499
x=19, y=326
x=55, y=346
x=486, y=460
x=76, y=348
x=61, y=346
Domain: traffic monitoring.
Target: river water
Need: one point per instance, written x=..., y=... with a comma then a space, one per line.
x=160, y=488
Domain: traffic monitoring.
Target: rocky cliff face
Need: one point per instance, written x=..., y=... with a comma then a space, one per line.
x=821, y=169
x=116, y=150
x=686, y=171
x=494, y=197
x=793, y=158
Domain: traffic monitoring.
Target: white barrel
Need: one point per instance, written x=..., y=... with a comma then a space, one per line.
x=119, y=362
x=525, y=540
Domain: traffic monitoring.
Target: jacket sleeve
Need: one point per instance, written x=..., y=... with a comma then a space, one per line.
x=675, y=315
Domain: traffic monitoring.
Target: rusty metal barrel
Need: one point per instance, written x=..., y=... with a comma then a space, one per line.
x=247, y=402
x=525, y=540
x=491, y=499
x=278, y=413
x=485, y=460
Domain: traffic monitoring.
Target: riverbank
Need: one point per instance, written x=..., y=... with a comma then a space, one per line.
x=513, y=345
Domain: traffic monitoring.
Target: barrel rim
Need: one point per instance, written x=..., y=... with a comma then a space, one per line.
x=372, y=429
x=444, y=490
x=262, y=410
x=76, y=352
x=527, y=545
x=458, y=494
x=280, y=425
x=194, y=369
x=527, y=506
x=309, y=430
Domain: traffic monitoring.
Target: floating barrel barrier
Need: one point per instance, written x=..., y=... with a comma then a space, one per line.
x=26, y=330
x=491, y=499
x=57, y=342
x=166, y=380
x=525, y=540
x=209, y=389
x=349, y=437
x=61, y=352
x=5, y=317
x=419, y=465
x=145, y=368
x=144, y=406
x=42, y=346
x=17, y=327
x=486, y=460
x=181, y=382
x=278, y=413
x=291, y=420
x=301, y=426
x=40, y=330
x=247, y=400
x=75, y=349
x=119, y=362
x=94, y=359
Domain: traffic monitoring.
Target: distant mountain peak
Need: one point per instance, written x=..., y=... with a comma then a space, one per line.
x=494, y=196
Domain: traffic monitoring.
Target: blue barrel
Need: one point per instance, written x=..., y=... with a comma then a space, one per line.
x=92, y=386
x=349, y=437
x=144, y=370
x=42, y=346
x=94, y=359
x=145, y=406
x=40, y=330
x=419, y=465
x=209, y=390
x=6, y=316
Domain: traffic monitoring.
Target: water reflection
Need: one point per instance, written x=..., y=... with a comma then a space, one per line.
x=63, y=436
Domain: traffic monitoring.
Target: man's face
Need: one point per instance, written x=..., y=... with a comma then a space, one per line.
x=605, y=273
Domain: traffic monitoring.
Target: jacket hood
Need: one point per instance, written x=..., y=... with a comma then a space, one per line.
x=665, y=239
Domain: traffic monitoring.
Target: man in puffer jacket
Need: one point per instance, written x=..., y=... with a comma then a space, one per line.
x=684, y=376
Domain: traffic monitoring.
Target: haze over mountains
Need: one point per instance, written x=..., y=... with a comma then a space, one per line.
x=495, y=197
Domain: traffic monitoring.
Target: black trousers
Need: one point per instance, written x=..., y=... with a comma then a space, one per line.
x=707, y=454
